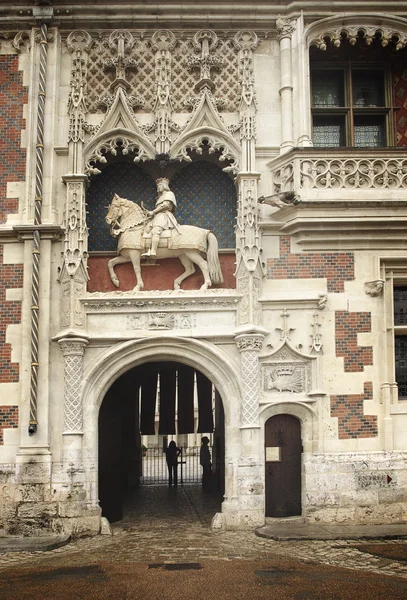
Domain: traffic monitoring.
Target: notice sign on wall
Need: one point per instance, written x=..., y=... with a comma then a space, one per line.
x=273, y=454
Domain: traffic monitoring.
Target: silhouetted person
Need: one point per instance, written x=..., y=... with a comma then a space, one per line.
x=205, y=461
x=171, y=456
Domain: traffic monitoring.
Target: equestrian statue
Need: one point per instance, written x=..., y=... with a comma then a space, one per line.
x=157, y=234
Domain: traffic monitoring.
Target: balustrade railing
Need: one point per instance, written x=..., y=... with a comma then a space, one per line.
x=331, y=168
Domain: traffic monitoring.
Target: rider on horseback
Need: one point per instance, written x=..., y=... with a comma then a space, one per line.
x=162, y=216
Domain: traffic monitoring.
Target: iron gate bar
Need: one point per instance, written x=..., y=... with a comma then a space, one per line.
x=154, y=466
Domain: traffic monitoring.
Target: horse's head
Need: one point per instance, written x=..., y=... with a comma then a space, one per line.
x=113, y=213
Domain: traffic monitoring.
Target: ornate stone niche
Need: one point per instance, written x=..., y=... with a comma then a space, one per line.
x=288, y=372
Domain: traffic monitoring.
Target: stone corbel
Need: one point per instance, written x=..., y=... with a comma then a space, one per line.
x=374, y=288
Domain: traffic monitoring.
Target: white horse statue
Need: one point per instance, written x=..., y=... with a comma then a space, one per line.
x=127, y=220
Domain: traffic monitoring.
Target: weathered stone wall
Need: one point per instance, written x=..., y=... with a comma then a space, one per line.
x=358, y=487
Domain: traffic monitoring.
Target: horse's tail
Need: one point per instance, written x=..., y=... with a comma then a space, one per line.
x=215, y=270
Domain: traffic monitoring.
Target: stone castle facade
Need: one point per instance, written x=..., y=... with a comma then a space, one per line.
x=284, y=132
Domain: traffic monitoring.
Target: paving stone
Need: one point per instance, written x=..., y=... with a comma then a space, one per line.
x=163, y=527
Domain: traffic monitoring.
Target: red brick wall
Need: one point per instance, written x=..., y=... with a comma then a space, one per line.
x=8, y=419
x=12, y=98
x=336, y=267
x=352, y=423
x=13, y=95
x=347, y=326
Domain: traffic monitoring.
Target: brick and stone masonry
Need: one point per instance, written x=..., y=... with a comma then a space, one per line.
x=352, y=423
x=13, y=95
x=336, y=267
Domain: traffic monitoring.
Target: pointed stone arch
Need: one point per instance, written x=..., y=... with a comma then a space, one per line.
x=206, y=126
x=118, y=131
x=104, y=369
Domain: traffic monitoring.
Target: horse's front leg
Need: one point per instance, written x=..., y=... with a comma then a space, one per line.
x=135, y=259
x=117, y=260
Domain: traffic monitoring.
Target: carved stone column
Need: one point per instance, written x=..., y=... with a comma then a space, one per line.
x=73, y=351
x=285, y=30
x=250, y=471
x=249, y=266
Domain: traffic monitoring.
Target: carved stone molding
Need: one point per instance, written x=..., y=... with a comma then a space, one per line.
x=21, y=39
x=247, y=342
x=374, y=288
x=79, y=41
x=73, y=351
x=247, y=227
x=205, y=41
x=190, y=301
x=287, y=370
x=246, y=42
x=353, y=33
x=285, y=28
x=316, y=336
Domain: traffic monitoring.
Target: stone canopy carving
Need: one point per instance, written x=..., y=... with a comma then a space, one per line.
x=125, y=73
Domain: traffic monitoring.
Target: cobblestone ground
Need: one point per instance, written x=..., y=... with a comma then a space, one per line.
x=164, y=525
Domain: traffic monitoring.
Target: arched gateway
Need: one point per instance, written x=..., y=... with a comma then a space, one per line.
x=203, y=356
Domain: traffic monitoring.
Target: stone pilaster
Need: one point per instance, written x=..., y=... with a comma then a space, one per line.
x=73, y=352
x=249, y=345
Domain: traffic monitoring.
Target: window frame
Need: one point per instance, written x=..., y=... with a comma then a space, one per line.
x=349, y=110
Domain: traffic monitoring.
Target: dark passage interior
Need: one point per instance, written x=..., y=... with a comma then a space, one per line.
x=144, y=409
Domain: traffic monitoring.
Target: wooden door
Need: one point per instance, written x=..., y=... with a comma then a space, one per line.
x=283, y=466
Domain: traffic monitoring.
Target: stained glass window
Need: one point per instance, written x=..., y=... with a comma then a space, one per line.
x=351, y=105
x=368, y=133
x=327, y=88
x=327, y=134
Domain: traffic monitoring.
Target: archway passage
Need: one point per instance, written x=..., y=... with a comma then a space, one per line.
x=283, y=466
x=145, y=409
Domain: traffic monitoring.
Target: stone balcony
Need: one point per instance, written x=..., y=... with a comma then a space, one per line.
x=342, y=173
x=349, y=198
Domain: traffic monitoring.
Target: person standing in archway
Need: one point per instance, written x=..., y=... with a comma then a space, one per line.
x=162, y=216
x=206, y=464
x=171, y=456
